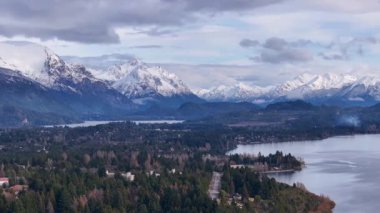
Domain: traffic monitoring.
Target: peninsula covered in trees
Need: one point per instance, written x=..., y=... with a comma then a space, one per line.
x=124, y=167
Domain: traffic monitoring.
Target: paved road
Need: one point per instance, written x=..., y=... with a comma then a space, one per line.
x=215, y=185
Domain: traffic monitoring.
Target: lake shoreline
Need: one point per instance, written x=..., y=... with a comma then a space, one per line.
x=343, y=167
x=279, y=171
x=95, y=123
x=305, y=140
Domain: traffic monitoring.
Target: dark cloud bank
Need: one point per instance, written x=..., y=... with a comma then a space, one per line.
x=276, y=50
x=94, y=21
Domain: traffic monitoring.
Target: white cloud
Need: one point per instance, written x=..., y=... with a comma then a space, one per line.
x=204, y=32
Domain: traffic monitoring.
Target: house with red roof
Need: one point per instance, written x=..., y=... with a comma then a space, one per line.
x=19, y=188
x=4, y=181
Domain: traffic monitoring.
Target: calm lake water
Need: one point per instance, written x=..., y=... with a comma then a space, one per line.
x=95, y=123
x=347, y=169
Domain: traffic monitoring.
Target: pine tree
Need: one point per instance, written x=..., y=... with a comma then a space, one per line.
x=49, y=207
x=17, y=207
x=63, y=201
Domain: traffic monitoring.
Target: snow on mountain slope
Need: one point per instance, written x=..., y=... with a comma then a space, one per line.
x=40, y=64
x=293, y=84
x=319, y=88
x=140, y=82
x=133, y=80
x=136, y=79
x=306, y=84
x=330, y=80
x=239, y=92
x=362, y=89
x=34, y=78
x=117, y=71
x=27, y=58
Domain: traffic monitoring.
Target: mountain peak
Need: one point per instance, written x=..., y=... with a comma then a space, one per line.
x=41, y=65
x=136, y=62
x=142, y=80
x=238, y=92
x=322, y=88
x=305, y=84
x=136, y=79
x=27, y=58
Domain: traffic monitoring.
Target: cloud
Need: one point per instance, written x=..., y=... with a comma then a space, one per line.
x=146, y=47
x=332, y=56
x=343, y=6
x=93, y=34
x=344, y=50
x=287, y=55
x=96, y=21
x=247, y=43
x=276, y=44
x=277, y=50
x=279, y=44
x=100, y=62
x=222, y=5
x=208, y=75
x=157, y=31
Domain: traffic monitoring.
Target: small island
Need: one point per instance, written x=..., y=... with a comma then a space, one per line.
x=273, y=163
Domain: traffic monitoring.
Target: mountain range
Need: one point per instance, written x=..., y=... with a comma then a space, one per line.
x=39, y=87
x=36, y=82
x=329, y=88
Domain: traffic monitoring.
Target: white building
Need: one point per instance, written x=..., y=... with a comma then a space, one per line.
x=129, y=176
x=110, y=174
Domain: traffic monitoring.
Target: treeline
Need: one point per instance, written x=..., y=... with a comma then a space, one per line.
x=267, y=194
x=86, y=170
x=75, y=181
x=277, y=160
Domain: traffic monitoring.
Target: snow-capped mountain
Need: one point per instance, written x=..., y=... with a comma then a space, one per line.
x=236, y=93
x=305, y=85
x=133, y=79
x=116, y=72
x=42, y=65
x=35, y=80
x=137, y=80
x=341, y=89
x=140, y=80
x=362, y=90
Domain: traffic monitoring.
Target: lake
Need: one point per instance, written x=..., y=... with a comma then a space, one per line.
x=158, y=121
x=345, y=168
x=95, y=123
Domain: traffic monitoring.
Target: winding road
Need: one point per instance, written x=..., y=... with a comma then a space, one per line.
x=215, y=185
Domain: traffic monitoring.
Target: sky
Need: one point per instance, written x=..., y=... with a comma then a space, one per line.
x=208, y=42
